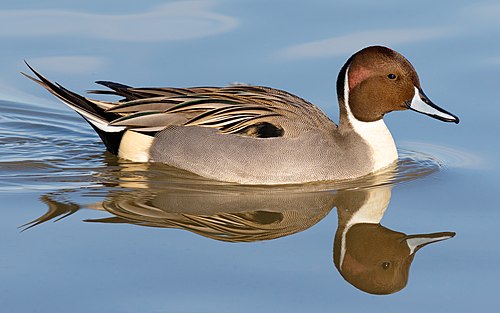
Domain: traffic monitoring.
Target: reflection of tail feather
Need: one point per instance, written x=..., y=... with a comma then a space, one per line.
x=57, y=211
x=230, y=227
x=235, y=228
x=223, y=227
x=232, y=219
x=109, y=220
x=247, y=220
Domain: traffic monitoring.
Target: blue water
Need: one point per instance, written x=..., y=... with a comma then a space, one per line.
x=107, y=235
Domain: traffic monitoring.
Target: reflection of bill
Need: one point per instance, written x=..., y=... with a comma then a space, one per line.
x=369, y=256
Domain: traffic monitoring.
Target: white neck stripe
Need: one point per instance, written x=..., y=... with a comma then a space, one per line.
x=375, y=134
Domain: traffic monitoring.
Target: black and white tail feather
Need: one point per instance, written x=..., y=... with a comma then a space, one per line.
x=93, y=111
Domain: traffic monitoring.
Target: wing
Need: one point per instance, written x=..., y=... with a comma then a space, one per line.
x=245, y=110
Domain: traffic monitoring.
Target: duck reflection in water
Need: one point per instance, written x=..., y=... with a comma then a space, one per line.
x=369, y=256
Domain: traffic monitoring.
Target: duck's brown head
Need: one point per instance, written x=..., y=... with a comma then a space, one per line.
x=377, y=80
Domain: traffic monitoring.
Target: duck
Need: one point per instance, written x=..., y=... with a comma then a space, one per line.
x=258, y=135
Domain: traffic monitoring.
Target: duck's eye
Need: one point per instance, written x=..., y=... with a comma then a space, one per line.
x=392, y=76
x=386, y=265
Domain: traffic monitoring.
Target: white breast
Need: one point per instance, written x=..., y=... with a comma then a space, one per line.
x=380, y=140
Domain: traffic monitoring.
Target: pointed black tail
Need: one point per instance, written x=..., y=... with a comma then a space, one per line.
x=90, y=110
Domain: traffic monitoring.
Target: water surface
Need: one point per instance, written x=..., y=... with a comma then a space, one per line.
x=83, y=231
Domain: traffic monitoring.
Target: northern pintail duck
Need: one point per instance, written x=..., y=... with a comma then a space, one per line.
x=261, y=135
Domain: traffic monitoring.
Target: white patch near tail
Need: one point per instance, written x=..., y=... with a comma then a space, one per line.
x=135, y=146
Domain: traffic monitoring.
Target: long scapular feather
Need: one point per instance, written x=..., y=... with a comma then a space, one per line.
x=148, y=104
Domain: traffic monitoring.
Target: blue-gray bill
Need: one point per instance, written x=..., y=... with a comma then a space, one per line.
x=415, y=242
x=421, y=103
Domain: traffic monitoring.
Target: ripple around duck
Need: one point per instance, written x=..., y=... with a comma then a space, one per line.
x=451, y=157
x=43, y=148
x=51, y=149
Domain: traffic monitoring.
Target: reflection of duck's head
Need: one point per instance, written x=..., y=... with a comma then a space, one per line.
x=377, y=260
x=368, y=255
